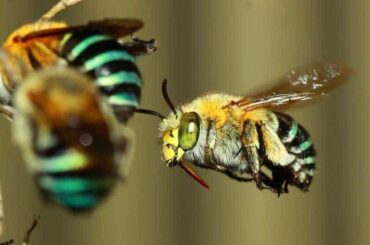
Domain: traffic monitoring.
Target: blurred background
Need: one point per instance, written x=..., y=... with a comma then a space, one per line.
x=234, y=47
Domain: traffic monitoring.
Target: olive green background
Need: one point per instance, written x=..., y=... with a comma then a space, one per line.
x=234, y=46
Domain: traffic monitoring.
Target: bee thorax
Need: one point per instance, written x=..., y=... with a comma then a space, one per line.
x=218, y=147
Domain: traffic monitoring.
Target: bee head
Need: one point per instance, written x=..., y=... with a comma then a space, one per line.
x=179, y=133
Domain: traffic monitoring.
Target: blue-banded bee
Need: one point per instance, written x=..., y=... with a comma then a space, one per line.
x=97, y=48
x=241, y=136
x=111, y=64
x=69, y=137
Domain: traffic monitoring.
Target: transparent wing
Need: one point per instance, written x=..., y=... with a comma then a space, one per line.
x=113, y=27
x=299, y=85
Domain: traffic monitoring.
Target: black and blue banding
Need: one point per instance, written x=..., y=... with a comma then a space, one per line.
x=65, y=178
x=76, y=192
x=297, y=141
x=110, y=64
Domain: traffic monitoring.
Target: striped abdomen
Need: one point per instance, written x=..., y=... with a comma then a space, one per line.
x=68, y=177
x=110, y=64
x=298, y=143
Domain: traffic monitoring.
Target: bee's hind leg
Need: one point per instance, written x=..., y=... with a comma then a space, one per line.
x=138, y=47
x=271, y=184
x=286, y=190
x=250, y=142
x=263, y=181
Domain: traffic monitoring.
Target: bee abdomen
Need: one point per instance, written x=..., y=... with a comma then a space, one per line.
x=111, y=65
x=67, y=177
x=298, y=143
x=76, y=192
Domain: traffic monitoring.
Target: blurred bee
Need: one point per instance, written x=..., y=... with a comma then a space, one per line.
x=239, y=135
x=69, y=137
x=96, y=48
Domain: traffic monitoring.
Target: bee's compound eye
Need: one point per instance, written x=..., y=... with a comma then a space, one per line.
x=191, y=127
x=189, y=130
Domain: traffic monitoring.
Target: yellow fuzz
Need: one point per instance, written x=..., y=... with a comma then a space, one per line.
x=180, y=153
x=168, y=153
x=171, y=140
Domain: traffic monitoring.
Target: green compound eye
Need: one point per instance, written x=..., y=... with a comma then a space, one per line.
x=189, y=130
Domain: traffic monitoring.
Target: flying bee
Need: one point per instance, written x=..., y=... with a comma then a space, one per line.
x=69, y=137
x=238, y=136
x=96, y=48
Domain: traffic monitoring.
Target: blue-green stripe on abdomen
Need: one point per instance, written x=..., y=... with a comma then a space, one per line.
x=70, y=160
x=85, y=44
x=298, y=142
x=110, y=64
x=121, y=77
x=124, y=99
x=77, y=201
x=70, y=185
x=108, y=56
x=76, y=192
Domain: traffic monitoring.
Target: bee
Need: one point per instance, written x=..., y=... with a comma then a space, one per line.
x=96, y=48
x=69, y=137
x=249, y=138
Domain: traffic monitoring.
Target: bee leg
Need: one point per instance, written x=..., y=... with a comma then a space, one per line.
x=265, y=182
x=27, y=237
x=7, y=242
x=138, y=47
x=280, y=177
x=250, y=143
x=286, y=190
x=58, y=7
x=269, y=184
x=7, y=111
x=238, y=177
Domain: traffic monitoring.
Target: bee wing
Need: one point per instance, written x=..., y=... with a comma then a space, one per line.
x=116, y=27
x=306, y=83
x=113, y=27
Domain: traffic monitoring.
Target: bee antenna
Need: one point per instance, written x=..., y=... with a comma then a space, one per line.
x=166, y=97
x=30, y=230
x=150, y=112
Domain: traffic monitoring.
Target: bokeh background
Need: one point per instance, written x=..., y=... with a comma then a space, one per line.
x=232, y=46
